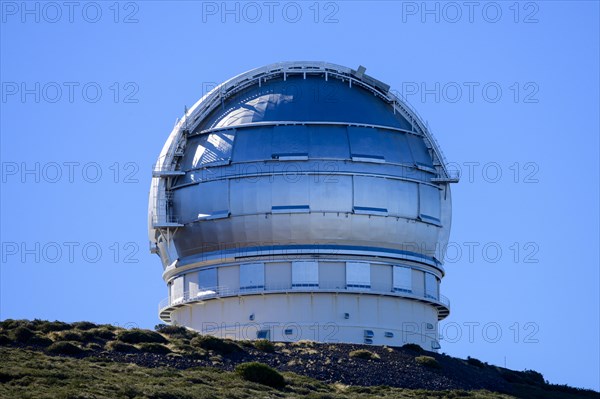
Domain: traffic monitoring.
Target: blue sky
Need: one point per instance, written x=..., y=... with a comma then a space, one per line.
x=511, y=91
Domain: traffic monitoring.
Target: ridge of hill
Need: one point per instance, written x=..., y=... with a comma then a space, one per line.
x=83, y=360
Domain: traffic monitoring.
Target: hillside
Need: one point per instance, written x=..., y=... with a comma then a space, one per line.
x=43, y=359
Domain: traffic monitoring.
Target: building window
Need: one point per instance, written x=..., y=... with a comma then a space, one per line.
x=431, y=286
x=358, y=275
x=305, y=274
x=252, y=277
x=402, y=279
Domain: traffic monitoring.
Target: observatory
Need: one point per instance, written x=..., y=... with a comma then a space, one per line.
x=302, y=200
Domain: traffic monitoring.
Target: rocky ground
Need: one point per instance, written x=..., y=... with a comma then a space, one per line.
x=396, y=367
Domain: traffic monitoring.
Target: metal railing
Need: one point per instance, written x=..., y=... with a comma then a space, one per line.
x=206, y=293
x=162, y=219
x=159, y=168
x=403, y=103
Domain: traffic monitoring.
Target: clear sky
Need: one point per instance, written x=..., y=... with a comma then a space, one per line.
x=90, y=91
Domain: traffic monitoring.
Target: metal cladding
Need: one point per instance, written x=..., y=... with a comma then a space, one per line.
x=301, y=179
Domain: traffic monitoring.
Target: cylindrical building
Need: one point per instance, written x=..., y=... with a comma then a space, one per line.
x=303, y=200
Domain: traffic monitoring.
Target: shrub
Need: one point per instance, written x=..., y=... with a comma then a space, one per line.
x=52, y=326
x=304, y=343
x=109, y=327
x=264, y=345
x=69, y=336
x=218, y=345
x=152, y=347
x=96, y=334
x=427, y=361
x=64, y=348
x=529, y=377
x=4, y=340
x=190, y=351
x=137, y=336
x=534, y=377
x=413, y=347
x=174, y=331
x=39, y=341
x=116, y=346
x=364, y=354
x=83, y=325
x=94, y=346
x=260, y=373
x=21, y=334
x=475, y=362
x=10, y=324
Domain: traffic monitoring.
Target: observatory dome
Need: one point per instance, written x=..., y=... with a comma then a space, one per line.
x=302, y=193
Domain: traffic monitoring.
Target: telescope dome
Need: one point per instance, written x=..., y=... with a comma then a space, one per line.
x=302, y=193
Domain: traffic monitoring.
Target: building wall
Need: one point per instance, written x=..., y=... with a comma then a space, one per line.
x=319, y=317
x=353, y=306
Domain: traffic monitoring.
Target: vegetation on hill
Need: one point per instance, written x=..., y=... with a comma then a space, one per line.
x=42, y=359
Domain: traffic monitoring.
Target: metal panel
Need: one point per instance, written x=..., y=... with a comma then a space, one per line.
x=299, y=99
x=332, y=275
x=418, y=282
x=253, y=144
x=365, y=144
x=370, y=193
x=429, y=203
x=191, y=282
x=290, y=142
x=251, y=195
x=358, y=275
x=328, y=142
x=248, y=110
x=211, y=198
x=252, y=276
x=305, y=274
x=402, y=279
x=403, y=198
x=419, y=151
x=229, y=277
x=379, y=145
x=202, y=200
x=381, y=278
x=290, y=190
x=177, y=290
x=207, y=278
x=278, y=275
x=208, y=149
x=395, y=148
x=330, y=193
x=431, y=286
